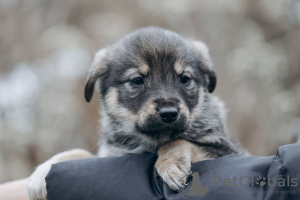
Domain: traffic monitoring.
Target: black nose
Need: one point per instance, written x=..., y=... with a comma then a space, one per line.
x=167, y=109
x=168, y=114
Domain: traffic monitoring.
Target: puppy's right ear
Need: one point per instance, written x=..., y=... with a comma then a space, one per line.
x=207, y=65
x=97, y=69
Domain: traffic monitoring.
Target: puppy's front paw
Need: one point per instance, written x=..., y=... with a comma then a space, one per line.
x=174, y=170
x=37, y=184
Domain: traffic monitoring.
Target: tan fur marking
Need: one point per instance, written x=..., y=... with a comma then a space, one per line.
x=112, y=98
x=198, y=108
x=182, y=148
x=178, y=68
x=144, y=69
x=183, y=108
x=146, y=111
x=174, y=162
x=117, y=109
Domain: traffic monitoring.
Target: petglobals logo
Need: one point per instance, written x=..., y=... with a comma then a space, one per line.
x=286, y=185
x=247, y=181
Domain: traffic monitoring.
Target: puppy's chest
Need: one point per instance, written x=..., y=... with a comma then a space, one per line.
x=131, y=143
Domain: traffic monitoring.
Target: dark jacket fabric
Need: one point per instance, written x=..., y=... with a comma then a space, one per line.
x=134, y=177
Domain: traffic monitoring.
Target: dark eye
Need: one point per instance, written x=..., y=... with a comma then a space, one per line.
x=185, y=79
x=137, y=81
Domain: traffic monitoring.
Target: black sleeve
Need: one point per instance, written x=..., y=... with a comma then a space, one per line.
x=134, y=177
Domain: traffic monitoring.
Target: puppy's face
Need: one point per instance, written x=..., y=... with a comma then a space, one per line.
x=152, y=81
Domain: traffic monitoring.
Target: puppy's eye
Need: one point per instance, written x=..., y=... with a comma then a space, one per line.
x=185, y=79
x=137, y=81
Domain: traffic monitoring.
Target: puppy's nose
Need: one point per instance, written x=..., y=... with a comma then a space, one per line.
x=167, y=109
x=168, y=114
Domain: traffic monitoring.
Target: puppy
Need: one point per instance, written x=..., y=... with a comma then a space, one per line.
x=155, y=89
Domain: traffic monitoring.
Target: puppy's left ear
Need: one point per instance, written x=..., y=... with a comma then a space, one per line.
x=97, y=69
x=207, y=65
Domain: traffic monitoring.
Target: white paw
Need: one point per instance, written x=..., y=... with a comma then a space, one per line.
x=37, y=184
x=174, y=170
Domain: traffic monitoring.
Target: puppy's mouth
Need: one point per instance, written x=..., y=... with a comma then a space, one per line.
x=156, y=129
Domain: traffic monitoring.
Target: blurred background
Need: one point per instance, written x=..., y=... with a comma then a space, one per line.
x=46, y=47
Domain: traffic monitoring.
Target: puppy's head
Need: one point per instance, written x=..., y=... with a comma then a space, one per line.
x=152, y=81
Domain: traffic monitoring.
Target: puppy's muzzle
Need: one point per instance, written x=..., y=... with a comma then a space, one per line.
x=167, y=109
